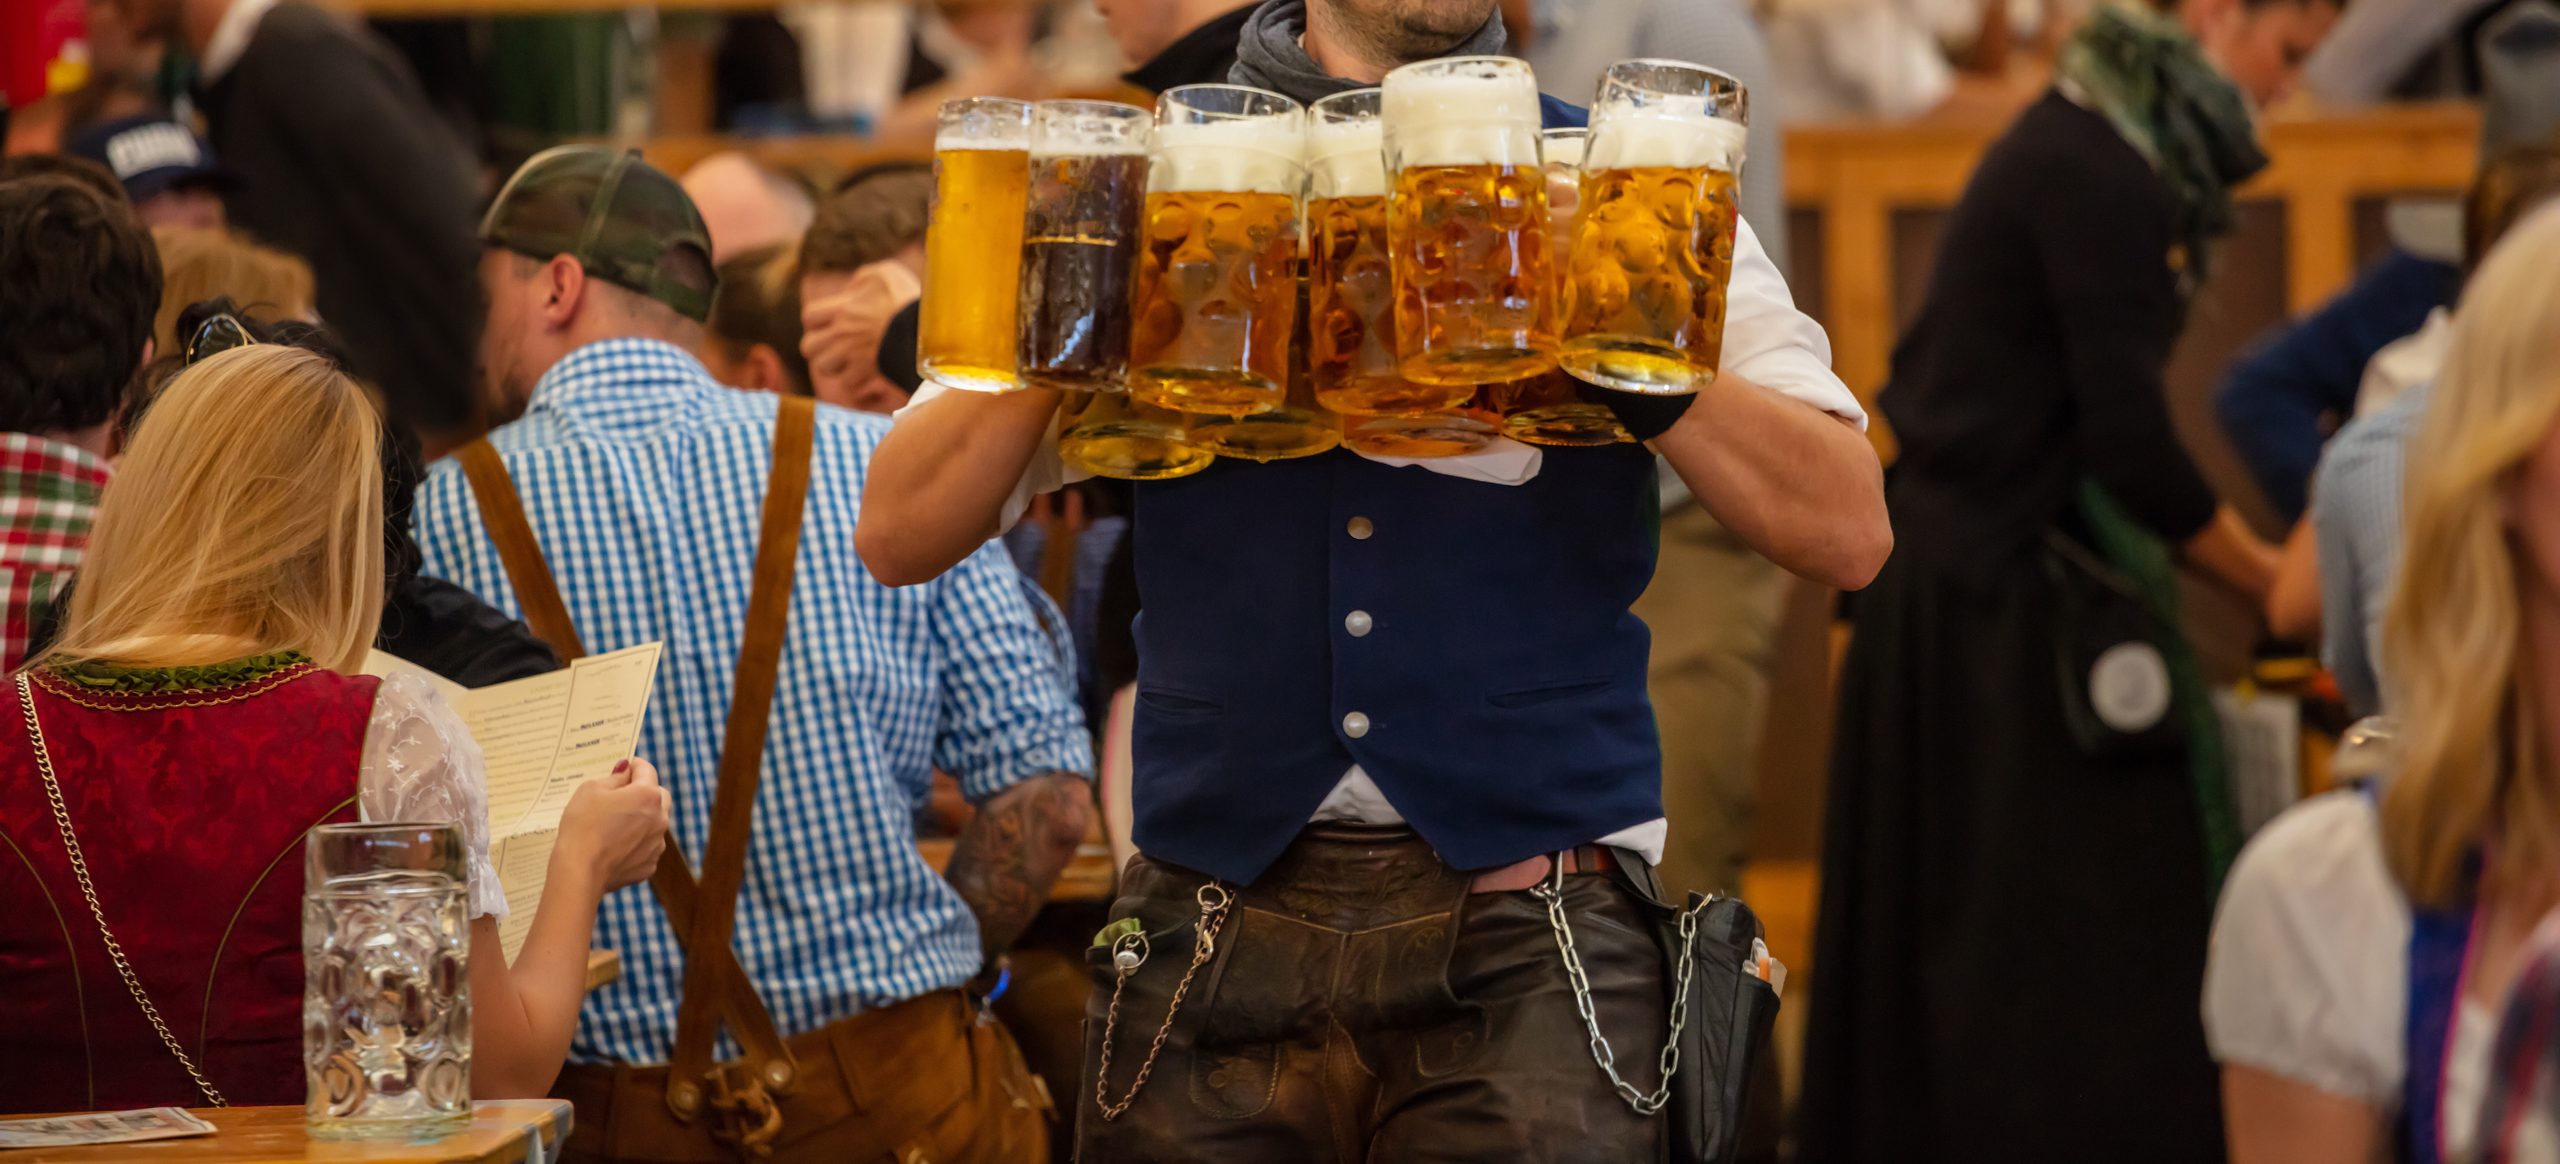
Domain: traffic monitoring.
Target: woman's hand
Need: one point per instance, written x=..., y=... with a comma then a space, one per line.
x=616, y=825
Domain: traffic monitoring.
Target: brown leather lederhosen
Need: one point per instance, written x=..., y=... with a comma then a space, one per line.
x=844, y=1091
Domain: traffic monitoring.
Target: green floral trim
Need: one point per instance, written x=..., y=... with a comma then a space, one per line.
x=109, y=677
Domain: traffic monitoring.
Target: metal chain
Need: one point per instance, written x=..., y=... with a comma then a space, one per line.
x=1552, y=893
x=1214, y=901
x=80, y=870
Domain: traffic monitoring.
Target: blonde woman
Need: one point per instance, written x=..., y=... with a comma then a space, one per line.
x=2366, y=940
x=197, y=716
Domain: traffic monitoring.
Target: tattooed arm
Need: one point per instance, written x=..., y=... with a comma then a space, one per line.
x=1014, y=849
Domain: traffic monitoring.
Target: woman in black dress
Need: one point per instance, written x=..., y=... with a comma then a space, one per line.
x=2027, y=819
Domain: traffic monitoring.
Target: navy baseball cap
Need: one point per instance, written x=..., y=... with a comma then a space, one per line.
x=150, y=154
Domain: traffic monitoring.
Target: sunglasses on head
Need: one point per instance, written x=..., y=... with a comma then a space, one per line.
x=217, y=335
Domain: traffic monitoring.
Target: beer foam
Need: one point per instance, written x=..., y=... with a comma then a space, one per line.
x=1444, y=119
x=1260, y=155
x=950, y=140
x=1565, y=150
x=1624, y=141
x=1085, y=129
x=1347, y=159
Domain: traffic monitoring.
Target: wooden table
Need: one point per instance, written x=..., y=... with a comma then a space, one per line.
x=501, y=1132
x=1087, y=877
x=604, y=968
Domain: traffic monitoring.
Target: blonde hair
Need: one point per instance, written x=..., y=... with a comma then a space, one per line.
x=246, y=518
x=2472, y=766
x=198, y=264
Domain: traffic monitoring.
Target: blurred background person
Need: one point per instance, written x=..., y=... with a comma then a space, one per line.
x=1983, y=794
x=167, y=170
x=752, y=340
x=79, y=280
x=339, y=159
x=265, y=285
x=2368, y=939
x=861, y=268
x=748, y=205
x=1165, y=43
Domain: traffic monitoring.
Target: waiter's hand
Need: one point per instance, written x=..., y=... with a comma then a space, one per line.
x=840, y=328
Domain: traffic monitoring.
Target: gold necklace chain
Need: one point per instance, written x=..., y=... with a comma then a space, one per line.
x=257, y=687
x=1214, y=899
x=80, y=870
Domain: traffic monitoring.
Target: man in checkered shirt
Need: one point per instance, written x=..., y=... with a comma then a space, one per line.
x=79, y=281
x=643, y=480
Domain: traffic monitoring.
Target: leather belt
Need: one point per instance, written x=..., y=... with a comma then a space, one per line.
x=1519, y=876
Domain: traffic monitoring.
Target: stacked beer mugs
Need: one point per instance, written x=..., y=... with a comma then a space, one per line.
x=1238, y=276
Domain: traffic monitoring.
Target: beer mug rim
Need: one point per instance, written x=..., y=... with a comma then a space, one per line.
x=1177, y=103
x=1572, y=133
x=1499, y=65
x=1328, y=109
x=1134, y=127
x=1727, y=98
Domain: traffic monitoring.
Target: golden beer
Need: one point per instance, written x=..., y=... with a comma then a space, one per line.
x=1295, y=427
x=1651, y=251
x=973, y=244
x=1216, y=292
x=1109, y=434
x=1351, y=324
x=1467, y=222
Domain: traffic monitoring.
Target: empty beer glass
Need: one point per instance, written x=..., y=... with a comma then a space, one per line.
x=1295, y=427
x=1351, y=295
x=386, y=1000
x=1467, y=226
x=1549, y=408
x=1652, y=246
x=1080, y=243
x=1114, y=434
x=965, y=328
x=1217, y=299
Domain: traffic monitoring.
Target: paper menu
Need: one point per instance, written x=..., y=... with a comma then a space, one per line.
x=541, y=736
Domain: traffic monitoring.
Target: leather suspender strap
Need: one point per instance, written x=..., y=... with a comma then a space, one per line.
x=502, y=512
x=724, y=854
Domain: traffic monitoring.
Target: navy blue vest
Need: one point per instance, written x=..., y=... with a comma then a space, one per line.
x=1468, y=645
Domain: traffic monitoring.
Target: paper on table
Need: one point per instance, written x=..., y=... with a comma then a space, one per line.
x=541, y=736
x=105, y=1127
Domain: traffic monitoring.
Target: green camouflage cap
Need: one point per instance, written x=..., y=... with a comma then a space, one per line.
x=623, y=219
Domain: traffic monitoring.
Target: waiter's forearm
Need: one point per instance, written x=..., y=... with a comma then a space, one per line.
x=937, y=484
x=1792, y=481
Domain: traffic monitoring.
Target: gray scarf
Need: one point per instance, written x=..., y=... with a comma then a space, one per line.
x=1268, y=55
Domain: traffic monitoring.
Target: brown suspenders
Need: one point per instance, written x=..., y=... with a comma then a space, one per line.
x=704, y=915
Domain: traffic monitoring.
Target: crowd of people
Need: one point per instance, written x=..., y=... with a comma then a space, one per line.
x=294, y=427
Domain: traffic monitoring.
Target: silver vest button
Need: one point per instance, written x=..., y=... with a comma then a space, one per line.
x=1355, y=725
x=1358, y=623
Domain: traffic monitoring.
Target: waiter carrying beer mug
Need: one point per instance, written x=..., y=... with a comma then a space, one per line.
x=1397, y=786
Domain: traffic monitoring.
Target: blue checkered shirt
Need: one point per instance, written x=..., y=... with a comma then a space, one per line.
x=644, y=481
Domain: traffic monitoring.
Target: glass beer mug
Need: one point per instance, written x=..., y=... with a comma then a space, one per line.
x=1295, y=427
x=1652, y=246
x=1548, y=408
x=1115, y=434
x=965, y=328
x=1080, y=243
x=1217, y=299
x=1467, y=223
x=386, y=999
x=1351, y=323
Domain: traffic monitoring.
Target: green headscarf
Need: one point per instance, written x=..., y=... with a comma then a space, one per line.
x=2145, y=73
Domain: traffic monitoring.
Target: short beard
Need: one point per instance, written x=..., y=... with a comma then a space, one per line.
x=1390, y=38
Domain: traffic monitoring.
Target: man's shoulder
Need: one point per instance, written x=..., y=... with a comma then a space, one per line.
x=1561, y=114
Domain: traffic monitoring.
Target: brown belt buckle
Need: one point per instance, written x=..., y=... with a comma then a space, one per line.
x=745, y=1111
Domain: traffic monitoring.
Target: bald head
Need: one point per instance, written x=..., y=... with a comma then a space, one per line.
x=746, y=204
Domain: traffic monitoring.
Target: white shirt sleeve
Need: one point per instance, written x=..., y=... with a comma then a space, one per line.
x=421, y=764
x=2308, y=973
x=1771, y=343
